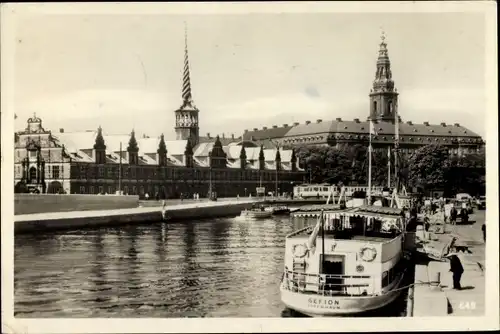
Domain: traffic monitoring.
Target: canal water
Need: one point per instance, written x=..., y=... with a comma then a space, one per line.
x=211, y=268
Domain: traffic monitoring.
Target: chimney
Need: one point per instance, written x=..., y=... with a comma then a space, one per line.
x=208, y=135
x=285, y=125
x=232, y=135
x=246, y=130
x=443, y=124
x=144, y=136
x=319, y=120
x=61, y=130
x=275, y=126
x=426, y=123
x=252, y=138
x=264, y=128
x=308, y=122
x=457, y=124
x=409, y=123
x=295, y=123
x=223, y=136
x=255, y=129
x=338, y=119
x=356, y=120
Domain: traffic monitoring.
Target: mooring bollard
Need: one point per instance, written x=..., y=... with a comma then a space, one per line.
x=435, y=280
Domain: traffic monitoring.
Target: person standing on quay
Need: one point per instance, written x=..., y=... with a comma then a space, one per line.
x=483, y=228
x=457, y=269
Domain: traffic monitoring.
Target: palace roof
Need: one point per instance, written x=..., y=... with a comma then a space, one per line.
x=358, y=127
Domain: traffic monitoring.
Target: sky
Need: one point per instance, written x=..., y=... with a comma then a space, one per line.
x=124, y=72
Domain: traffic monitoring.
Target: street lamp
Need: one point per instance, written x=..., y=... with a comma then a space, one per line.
x=277, y=148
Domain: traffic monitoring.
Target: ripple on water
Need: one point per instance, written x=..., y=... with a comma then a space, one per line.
x=220, y=268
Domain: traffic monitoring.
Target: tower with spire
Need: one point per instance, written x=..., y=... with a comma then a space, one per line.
x=186, y=117
x=383, y=95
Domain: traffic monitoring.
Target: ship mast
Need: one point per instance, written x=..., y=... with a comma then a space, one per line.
x=396, y=149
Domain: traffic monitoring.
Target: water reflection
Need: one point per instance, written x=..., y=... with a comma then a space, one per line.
x=219, y=268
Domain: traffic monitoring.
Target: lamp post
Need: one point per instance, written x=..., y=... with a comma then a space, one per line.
x=277, y=148
x=120, y=172
x=210, y=183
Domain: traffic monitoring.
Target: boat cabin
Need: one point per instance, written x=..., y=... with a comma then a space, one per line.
x=353, y=252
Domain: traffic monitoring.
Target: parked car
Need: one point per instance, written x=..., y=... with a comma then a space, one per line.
x=481, y=202
x=463, y=197
x=460, y=204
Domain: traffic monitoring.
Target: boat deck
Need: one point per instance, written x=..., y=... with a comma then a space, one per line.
x=343, y=236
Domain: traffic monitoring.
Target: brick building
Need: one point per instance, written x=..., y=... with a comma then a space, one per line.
x=92, y=162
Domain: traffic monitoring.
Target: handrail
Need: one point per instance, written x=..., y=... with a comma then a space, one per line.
x=299, y=284
x=327, y=275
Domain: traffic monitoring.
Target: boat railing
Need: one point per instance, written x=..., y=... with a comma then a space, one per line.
x=316, y=284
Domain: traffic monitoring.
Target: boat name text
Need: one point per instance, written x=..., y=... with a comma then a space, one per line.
x=323, y=303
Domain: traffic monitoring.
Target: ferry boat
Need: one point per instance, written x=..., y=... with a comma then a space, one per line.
x=256, y=213
x=350, y=262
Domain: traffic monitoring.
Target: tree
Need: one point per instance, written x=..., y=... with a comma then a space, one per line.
x=428, y=167
x=467, y=174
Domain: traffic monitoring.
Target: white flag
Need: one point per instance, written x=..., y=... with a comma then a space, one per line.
x=373, y=131
x=311, y=242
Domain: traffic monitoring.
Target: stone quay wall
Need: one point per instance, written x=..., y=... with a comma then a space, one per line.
x=40, y=203
x=31, y=223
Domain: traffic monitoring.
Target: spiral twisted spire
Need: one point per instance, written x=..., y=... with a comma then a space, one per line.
x=187, y=98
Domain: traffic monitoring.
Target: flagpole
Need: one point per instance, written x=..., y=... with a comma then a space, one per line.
x=370, y=165
x=389, y=167
x=322, y=222
x=396, y=148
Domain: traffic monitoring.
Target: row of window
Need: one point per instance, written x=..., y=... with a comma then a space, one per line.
x=51, y=172
x=92, y=171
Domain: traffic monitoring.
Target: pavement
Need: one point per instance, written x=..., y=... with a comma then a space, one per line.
x=470, y=301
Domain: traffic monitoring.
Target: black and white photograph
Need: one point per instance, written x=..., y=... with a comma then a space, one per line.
x=220, y=167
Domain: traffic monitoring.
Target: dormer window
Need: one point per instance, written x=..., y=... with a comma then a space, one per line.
x=345, y=127
x=414, y=130
x=432, y=130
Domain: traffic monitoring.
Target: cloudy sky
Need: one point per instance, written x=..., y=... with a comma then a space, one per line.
x=124, y=71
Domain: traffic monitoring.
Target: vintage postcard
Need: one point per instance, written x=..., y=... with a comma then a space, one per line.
x=248, y=167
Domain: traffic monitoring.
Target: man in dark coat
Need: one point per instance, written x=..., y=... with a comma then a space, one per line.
x=453, y=215
x=483, y=228
x=457, y=269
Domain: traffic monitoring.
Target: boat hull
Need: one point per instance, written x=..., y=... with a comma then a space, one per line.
x=331, y=306
x=256, y=214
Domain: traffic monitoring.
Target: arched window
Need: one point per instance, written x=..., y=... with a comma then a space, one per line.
x=374, y=107
x=32, y=173
x=390, y=107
